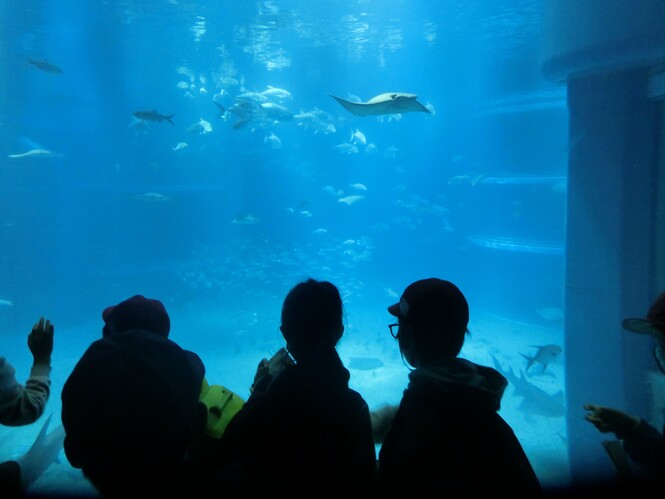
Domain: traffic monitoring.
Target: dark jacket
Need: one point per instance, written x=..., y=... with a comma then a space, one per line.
x=646, y=446
x=304, y=433
x=130, y=409
x=447, y=436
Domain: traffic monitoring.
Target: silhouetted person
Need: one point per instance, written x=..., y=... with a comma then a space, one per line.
x=446, y=436
x=24, y=404
x=130, y=407
x=302, y=432
x=640, y=440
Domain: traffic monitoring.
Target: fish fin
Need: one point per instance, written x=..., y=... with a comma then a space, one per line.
x=352, y=107
x=41, y=454
x=168, y=118
x=222, y=109
x=528, y=364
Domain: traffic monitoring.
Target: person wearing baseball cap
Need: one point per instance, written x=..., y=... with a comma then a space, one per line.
x=640, y=440
x=446, y=431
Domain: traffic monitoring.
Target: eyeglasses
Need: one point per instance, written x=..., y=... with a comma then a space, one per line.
x=394, y=329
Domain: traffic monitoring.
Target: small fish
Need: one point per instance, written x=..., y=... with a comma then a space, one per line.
x=152, y=196
x=6, y=303
x=279, y=93
x=358, y=137
x=346, y=148
x=45, y=66
x=274, y=140
x=466, y=179
x=544, y=355
x=180, y=146
x=246, y=219
x=349, y=200
x=359, y=187
x=153, y=115
x=205, y=126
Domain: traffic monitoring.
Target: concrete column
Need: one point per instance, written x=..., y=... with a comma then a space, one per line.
x=610, y=254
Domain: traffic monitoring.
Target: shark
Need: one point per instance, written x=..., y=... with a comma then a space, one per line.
x=388, y=103
x=44, y=65
x=535, y=400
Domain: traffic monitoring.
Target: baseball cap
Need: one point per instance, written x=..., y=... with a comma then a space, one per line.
x=433, y=299
x=654, y=323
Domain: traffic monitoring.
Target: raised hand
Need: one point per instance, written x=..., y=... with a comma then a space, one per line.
x=40, y=341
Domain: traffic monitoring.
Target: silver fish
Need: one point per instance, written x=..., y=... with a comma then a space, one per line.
x=544, y=355
x=151, y=196
x=246, y=219
x=153, y=115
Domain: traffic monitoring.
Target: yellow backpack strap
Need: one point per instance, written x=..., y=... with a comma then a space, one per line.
x=222, y=405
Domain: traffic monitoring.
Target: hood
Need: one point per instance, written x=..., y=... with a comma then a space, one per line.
x=462, y=382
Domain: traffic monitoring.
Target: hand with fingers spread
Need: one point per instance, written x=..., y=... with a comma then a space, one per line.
x=40, y=341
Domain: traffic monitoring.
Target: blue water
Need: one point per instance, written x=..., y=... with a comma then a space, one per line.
x=120, y=209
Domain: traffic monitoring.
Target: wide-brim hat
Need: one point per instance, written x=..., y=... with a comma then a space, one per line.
x=138, y=312
x=654, y=323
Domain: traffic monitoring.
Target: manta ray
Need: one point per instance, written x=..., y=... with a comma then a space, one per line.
x=388, y=103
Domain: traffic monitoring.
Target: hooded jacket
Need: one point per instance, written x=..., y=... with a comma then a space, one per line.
x=304, y=433
x=130, y=409
x=447, y=436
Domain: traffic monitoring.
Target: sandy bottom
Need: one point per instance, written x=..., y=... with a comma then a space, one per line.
x=377, y=372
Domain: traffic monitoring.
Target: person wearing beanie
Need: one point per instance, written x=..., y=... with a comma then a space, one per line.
x=641, y=441
x=130, y=407
x=446, y=435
